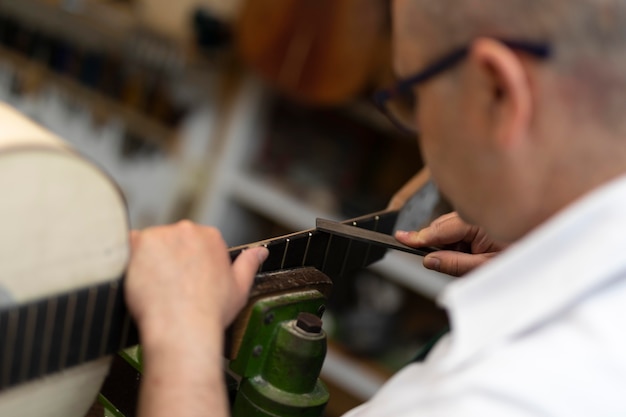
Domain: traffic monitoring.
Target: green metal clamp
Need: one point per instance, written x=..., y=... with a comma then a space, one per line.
x=281, y=357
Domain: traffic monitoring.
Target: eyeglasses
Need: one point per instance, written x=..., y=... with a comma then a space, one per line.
x=400, y=102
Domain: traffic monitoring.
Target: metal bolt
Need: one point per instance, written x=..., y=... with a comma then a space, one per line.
x=269, y=318
x=310, y=323
x=256, y=352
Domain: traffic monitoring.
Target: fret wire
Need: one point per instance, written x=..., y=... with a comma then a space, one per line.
x=10, y=346
x=29, y=335
x=369, y=245
x=330, y=239
x=67, y=329
x=282, y=262
x=345, y=258
x=306, y=249
x=91, y=295
x=106, y=328
x=125, y=330
x=51, y=312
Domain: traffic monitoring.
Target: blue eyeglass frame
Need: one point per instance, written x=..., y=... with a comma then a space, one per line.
x=405, y=85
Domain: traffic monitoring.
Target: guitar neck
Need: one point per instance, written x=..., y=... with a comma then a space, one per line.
x=46, y=336
x=331, y=254
x=50, y=335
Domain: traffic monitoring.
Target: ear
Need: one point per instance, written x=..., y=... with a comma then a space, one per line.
x=509, y=94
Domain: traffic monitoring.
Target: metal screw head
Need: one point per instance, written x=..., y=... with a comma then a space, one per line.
x=269, y=318
x=256, y=352
x=308, y=322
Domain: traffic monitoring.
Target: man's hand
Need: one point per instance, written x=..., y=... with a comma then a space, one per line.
x=183, y=271
x=464, y=246
x=183, y=291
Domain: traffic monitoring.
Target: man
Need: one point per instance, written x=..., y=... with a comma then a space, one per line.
x=520, y=121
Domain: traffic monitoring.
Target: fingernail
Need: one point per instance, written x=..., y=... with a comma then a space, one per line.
x=414, y=237
x=431, y=262
x=262, y=253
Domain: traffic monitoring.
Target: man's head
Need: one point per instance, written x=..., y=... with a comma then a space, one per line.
x=511, y=138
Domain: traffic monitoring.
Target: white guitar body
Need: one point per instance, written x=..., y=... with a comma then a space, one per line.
x=66, y=394
x=63, y=226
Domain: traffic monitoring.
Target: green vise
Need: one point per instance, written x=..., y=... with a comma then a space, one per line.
x=276, y=349
x=282, y=347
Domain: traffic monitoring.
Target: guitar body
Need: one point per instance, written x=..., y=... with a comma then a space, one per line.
x=63, y=227
x=66, y=394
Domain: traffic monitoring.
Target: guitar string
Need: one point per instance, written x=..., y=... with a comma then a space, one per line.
x=369, y=245
x=51, y=311
x=106, y=328
x=67, y=329
x=306, y=249
x=125, y=331
x=87, y=323
x=282, y=262
x=29, y=335
x=330, y=239
x=13, y=318
x=345, y=258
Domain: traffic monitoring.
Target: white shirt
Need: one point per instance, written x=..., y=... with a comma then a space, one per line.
x=538, y=331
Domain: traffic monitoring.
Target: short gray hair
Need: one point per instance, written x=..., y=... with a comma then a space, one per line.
x=591, y=28
x=588, y=38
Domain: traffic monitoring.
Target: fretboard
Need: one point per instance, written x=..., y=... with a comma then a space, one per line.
x=333, y=255
x=46, y=336
x=50, y=335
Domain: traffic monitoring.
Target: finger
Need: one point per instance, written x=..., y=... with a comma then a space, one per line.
x=446, y=230
x=455, y=263
x=134, y=238
x=247, y=264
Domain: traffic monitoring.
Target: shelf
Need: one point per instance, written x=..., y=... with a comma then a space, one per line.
x=118, y=26
x=110, y=23
x=98, y=52
x=266, y=199
x=155, y=132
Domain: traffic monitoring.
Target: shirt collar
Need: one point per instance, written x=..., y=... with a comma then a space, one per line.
x=546, y=272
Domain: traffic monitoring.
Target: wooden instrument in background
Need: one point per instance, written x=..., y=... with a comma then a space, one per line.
x=315, y=51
